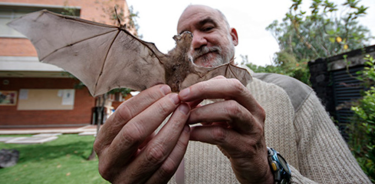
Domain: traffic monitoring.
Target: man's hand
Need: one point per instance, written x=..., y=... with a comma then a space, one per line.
x=128, y=149
x=235, y=125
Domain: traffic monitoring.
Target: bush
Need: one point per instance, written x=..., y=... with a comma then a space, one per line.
x=361, y=130
x=298, y=71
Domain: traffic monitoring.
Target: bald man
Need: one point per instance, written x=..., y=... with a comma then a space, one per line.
x=230, y=143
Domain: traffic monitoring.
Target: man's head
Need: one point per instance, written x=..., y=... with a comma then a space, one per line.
x=213, y=40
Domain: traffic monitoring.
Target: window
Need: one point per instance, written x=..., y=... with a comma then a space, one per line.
x=10, y=11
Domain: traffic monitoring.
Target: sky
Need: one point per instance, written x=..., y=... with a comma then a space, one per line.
x=158, y=20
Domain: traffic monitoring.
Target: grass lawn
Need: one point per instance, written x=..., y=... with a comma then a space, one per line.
x=60, y=161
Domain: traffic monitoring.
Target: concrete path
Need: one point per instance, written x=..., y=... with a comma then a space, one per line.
x=75, y=130
x=42, y=135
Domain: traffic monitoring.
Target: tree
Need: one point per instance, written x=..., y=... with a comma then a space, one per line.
x=298, y=70
x=320, y=34
x=303, y=37
x=114, y=12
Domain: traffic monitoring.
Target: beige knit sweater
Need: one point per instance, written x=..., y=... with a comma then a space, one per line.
x=305, y=136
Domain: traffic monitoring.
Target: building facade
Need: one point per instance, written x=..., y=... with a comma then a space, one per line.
x=35, y=94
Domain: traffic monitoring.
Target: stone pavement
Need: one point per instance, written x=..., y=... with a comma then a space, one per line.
x=42, y=135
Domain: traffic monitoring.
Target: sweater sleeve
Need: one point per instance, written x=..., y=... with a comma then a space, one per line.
x=297, y=177
x=323, y=155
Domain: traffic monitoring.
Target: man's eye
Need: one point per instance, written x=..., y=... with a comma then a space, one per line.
x=208, y=28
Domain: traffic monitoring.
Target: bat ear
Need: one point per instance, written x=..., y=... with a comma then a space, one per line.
x=175, y=38
x=178, y=37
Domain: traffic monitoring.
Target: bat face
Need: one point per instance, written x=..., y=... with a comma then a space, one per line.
x=179, y=62
x=105, y=57
x=184, y=38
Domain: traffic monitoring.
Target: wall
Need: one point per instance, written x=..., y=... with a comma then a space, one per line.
x=94, y=10
x=81, y=114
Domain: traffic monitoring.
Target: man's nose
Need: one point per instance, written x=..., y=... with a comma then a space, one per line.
x=199, y=40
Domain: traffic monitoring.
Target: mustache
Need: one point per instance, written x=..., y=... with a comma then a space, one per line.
x=204, y=50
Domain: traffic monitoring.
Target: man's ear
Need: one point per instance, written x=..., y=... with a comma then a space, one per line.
x=234, y=36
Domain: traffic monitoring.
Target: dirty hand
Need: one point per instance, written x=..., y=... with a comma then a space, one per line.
x=127, y=147
x=235, y=125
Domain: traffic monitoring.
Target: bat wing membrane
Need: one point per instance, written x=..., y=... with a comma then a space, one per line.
x=103, y=57
x=227, y=70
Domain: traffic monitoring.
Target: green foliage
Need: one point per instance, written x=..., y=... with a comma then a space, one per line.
x=321, y=33
x=70, y=11
x=133, y=22
x=362, y=129
x=304, y=36
x=294, y=69
x=123, y=91
x=368, y=73
x=60, y=161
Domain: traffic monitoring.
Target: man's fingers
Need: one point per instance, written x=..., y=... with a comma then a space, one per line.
x=144, y=143
x=138, y=129
x=222, y=88
x=194, y=104
x=212, y=89
x=231, y=142
x=238, y=117
x=216, y=135
x=170, y=165
x=126, y=111
x=159, y=148
x=218, y=77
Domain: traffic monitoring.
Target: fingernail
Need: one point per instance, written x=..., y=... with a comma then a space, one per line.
x=174, y=98
x=165, y=89
x=185, y=92
x=184, y=109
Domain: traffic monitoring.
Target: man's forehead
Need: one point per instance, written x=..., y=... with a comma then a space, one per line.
x=197, y=14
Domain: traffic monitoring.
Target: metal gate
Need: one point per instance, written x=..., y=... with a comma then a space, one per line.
x=346, y=89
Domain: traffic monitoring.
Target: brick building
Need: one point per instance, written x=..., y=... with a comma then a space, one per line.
x=34, y=94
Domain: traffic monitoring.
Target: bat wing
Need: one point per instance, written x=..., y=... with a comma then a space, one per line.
x=103, y=57
x=227, y=70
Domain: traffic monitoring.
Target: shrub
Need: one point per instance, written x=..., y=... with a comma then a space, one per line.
x=362, y=135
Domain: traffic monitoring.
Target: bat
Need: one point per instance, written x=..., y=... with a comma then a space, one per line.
x=104, y=57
